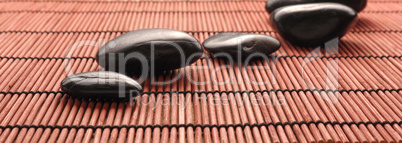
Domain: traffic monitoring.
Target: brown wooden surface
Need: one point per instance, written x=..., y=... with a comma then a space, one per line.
x=349, y=94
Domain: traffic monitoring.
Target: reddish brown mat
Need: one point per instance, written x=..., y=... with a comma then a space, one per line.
x=350, y=93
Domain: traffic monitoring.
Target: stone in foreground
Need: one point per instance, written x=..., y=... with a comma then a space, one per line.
x=357, y=5
x=137, y=50
x=313, y=24
x=244, y=45
x=101, y=85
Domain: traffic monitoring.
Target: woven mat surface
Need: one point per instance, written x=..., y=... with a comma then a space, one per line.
x=348, y=93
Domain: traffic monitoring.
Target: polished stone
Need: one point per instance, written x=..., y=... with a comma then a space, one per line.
x=137, y=50
x=101, y=85
x=242, y=45
x=313, y=24
x=357, y=5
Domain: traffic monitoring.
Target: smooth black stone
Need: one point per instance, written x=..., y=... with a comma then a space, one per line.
x=243, y=44
x=101, y=85
x=313, y=24
x=172, y=50
x=357, y=5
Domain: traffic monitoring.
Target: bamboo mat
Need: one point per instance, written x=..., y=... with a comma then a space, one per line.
x=350, y=93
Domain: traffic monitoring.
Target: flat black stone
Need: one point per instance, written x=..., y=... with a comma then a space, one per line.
x=137, y=50
x=357, y=5
x=101, y=85
x=313, y=24
x=242, y=45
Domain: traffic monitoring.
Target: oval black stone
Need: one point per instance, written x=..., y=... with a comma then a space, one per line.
x=241, y=44
x=357, y=5
x=313, y=24
x=101, y=85
x=164, y=48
